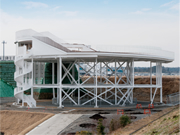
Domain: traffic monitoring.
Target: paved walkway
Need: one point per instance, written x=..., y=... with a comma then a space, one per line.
x=54, y=125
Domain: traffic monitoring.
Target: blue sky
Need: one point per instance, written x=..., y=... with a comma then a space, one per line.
x=96, y=22
x=87, y=8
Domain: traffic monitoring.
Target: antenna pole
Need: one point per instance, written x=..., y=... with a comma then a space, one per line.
x=4, y=49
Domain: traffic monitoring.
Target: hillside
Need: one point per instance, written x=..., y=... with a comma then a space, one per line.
x=168, y=124
x=170, y=85
x=19, y=122
x=161, y=123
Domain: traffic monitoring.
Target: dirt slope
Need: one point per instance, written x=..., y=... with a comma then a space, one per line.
x=134, y=126
x=168, y=124
x=170, y=85
x=18, y=122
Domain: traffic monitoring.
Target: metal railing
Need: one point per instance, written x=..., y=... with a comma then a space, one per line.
x=173, y=98
x=7, y=58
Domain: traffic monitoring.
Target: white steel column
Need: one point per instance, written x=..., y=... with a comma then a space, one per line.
x=60, y=82
x=53, y=79
x=133, y=72
x=34, y=72
x=101, y=77
x=157, y=73
x=44, y=66
x=38, y=74
x=151, y=81
x=161, y=98
x=94, y=80
x=96, y=85
x=132, y=79
x=24, y=81
x=127, y=67
x=78, y=84
x=115, y=84
x=73, y=74
x=106, y=82
x=32, y=79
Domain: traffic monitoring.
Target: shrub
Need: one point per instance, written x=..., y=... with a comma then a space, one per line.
x=112, y=125
x=124, y=120
x=164, y=119
x=175, y=117
x=100, y=127
x=83, y=133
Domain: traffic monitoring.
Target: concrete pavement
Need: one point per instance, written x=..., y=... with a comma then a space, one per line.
x=54, y=125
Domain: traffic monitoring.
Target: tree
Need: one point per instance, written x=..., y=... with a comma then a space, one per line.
x=100, y=127
x=124, y=120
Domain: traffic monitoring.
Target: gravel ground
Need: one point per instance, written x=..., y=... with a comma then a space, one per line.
x=108, y=112
x=7, y=100
x=85, y=119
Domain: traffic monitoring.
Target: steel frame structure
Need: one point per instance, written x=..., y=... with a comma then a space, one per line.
x=96, y=85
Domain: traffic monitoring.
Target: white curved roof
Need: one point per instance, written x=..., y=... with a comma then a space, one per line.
x=81, y=50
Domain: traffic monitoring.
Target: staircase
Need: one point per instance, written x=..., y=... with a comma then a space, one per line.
x=23, y=77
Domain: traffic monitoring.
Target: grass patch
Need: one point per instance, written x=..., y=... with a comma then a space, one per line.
x=176, y=117
x=164, y=119
x=154, y=132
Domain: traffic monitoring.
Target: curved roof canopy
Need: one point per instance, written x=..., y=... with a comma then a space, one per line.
x=72, y=51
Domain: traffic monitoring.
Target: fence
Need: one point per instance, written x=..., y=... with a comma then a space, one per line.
x=173, y=98
x=7, y=58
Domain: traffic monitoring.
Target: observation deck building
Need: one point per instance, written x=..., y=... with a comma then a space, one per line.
x=90, y=86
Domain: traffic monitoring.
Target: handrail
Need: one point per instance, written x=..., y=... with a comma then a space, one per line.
x=28, y=70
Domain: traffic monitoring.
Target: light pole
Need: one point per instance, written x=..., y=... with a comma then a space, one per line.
x=4, y=48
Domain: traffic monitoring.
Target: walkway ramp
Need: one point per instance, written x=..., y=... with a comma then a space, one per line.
x=54, y=125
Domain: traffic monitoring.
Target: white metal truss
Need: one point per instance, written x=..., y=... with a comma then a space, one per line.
x=96, y=86
x=92, y=92
x=100, y=80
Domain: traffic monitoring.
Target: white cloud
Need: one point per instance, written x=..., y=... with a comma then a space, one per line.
x=31, y=4
x=138, y=12
x=167, y=4
x=146, y=9
x=142, y=11
x=69, y=13
x=176, y=6
x=153, y=32
x=55, y=8
x=171, y=5
x=106, y=1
